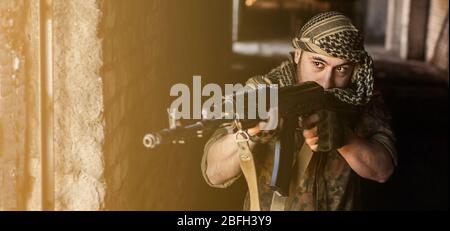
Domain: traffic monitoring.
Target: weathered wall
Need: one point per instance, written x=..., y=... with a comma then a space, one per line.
x=147, y=47
x=133, y=45
x=437, y=35
x=78, y=106
x=113, y=65
x=19, y=125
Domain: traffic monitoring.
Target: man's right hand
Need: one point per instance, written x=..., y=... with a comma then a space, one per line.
x=254, y=130
x=309, y=125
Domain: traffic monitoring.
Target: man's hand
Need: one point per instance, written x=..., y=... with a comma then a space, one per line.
x=324, y=131
x=369, y=159
x=309, y=125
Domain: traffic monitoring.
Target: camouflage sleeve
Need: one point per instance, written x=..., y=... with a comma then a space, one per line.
x=274, y=76
x=221, y=132
x=375, y=125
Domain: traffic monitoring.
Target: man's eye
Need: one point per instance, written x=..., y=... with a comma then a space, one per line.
x=342, y=69
x=318, y=64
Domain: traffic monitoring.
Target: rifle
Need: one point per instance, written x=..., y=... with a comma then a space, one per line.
x=294, y=101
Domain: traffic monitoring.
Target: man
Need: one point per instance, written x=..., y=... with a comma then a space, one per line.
x=328, y=50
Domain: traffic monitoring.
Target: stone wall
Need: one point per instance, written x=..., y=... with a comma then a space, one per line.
x=19, y=119
x=78, y=106
x=113, y=64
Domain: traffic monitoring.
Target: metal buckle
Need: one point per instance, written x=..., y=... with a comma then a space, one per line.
x=245, y=137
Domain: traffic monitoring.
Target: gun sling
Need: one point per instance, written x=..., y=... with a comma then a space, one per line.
x=249, y=170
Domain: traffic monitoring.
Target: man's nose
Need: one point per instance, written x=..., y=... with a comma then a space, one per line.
x=327, y=80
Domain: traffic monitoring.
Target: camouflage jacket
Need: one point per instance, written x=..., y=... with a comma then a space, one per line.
x=328, y=182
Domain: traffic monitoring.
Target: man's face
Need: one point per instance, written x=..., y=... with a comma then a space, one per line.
x=328, y=72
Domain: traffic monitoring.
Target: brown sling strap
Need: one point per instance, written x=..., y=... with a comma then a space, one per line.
x=248, y=168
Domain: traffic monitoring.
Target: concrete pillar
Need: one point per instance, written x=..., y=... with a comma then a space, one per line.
x=20, y=172
x=397, y=27
x=437, y=34
x=78, y=106
x=417, y=28
x=375, y=25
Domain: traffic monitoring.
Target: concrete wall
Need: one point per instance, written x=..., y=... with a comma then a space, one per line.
x=437, y=34
x=113, y=63
x=397, y=26
x=19, y=124
x=78, y=106
x=417, y=29
x=134, y=44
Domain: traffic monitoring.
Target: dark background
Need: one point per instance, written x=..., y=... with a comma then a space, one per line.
x=415, y=92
